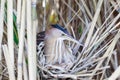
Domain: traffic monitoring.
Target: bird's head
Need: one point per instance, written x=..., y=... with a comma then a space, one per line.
x=56, y=31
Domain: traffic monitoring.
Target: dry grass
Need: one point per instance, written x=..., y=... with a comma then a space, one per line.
x=94, y=24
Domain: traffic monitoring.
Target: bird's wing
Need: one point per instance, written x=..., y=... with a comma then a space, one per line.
x=40, y=37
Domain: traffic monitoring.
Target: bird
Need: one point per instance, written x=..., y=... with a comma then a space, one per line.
x=57, y=49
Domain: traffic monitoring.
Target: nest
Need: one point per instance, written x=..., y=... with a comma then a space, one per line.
x=87, y=62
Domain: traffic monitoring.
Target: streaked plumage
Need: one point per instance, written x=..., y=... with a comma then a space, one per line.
x=56, y=51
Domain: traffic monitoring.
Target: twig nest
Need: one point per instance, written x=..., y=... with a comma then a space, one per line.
x=85, y=64
x=63, y=57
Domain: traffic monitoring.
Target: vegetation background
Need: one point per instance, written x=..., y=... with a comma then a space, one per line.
x=94, y=23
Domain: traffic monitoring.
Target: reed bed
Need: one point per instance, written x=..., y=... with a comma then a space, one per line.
x=94, y=25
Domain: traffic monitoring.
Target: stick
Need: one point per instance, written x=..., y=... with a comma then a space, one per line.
x=1, y=26
x=18, y=14
x=31, y=55
x=10, y=30
x=21, y=43
x=115, y=74
x=8, y=62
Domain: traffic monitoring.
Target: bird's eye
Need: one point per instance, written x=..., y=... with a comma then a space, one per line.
x=63, y=34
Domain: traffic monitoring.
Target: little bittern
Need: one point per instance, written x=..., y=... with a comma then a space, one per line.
x=56, y=47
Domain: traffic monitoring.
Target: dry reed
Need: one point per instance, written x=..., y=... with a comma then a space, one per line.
x=94, y=24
